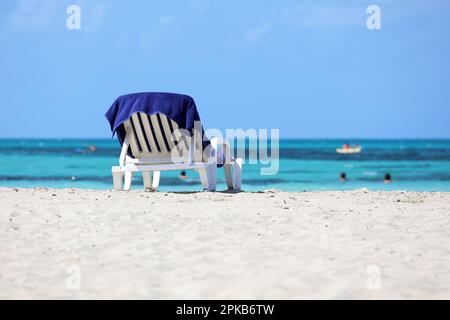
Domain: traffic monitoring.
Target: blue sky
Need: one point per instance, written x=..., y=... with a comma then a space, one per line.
x=310, y=68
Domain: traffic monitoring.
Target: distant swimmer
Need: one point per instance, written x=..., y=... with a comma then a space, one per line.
x=342, y=176
x=183, y=175
x=387, y=178
x=92, y=148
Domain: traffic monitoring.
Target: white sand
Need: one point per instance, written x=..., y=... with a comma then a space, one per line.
x=269, y=245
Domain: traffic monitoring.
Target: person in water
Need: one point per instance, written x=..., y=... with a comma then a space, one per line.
x=387, y=178
x=342, y=177
x=183, y=175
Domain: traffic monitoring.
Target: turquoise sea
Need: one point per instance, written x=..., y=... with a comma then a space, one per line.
x=422, y=165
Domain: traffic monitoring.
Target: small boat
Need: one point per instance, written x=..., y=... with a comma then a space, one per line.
x=347, y=149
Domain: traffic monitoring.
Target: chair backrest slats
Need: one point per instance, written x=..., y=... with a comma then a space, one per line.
x=176, y=136
x=154, y=137
x=136, y=121
x=167, y=132
x=131, y=133
x=158, y=132
x=148, y=132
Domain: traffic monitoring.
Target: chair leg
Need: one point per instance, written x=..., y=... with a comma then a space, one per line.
x=211, y=170
x=147, y=178
x=228, y=178
x=208, y=177
x=237, y=170
x=118, y=181
x=128, y=178
x=156, y=176
x=203, y=178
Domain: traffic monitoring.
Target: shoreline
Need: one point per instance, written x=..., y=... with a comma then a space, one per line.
x=360, y=244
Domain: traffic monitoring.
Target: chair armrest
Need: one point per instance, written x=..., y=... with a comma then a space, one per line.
x=123, y=152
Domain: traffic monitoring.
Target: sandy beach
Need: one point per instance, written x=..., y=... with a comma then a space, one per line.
x=72, y=243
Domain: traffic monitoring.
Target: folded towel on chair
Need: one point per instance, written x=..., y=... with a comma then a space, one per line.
x=178, y=107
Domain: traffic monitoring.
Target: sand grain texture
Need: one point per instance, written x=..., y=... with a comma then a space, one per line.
x=269, y=245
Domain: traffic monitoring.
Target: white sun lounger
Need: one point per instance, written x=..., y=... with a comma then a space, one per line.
x=157, y=145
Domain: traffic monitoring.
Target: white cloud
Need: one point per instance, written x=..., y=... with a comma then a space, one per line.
x=167, y=20
x=200, y=6
x=256, y=34
x=94, y=13
x=304, y=16
x=51, y=15
x=35, y=15
x=314, y=16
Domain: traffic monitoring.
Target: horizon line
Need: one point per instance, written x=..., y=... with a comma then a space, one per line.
x=287, y=138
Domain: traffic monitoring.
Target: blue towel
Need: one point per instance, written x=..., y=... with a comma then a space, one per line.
x=178, y=107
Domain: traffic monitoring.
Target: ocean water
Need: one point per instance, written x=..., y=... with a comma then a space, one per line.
x=421, y=165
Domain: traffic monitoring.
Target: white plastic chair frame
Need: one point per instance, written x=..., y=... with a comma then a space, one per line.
x=157, y=144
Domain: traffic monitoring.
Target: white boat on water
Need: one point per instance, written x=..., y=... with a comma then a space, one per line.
x=348, y=150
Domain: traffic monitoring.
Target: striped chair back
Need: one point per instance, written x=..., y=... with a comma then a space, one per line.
x=156, y=138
